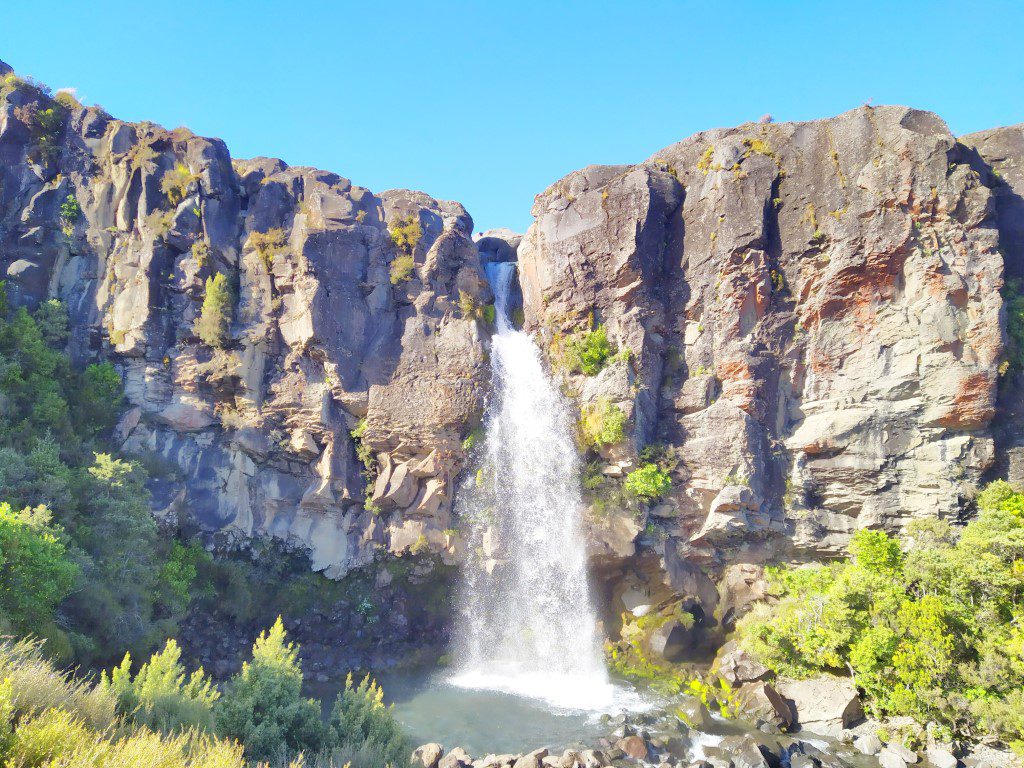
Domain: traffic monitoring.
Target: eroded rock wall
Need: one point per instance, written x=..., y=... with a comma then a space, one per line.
x=326, y=336
x=813, y=317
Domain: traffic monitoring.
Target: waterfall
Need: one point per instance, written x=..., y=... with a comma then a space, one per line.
x=528, y=621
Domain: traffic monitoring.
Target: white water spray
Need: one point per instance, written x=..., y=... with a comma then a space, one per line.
x=528, y=621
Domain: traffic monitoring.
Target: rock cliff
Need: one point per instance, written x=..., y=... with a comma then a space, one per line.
x=814, y=322
x=809, y=314
x=346, y=319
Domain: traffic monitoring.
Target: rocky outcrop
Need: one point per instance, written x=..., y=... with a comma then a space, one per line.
x=807, y=316
x=336, y=327
x=812, y=314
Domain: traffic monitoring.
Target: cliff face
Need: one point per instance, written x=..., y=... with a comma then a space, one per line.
x=812, y=313
x=815, y=319
x=325, y=330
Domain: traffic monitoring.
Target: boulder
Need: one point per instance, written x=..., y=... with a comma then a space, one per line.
x=457, y=758
x=427, y=755
x=868, y=744
x=634, y=746
x=759, y=700
x=825, y=704
x=531, y=759
x=906, y=754
x=888, y=758
x=738, y=666
x=743, y=751
x=670, y=641
x=941, y=757
x=693, y=713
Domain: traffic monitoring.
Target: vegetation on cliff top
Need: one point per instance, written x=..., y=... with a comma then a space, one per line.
x=935, y=632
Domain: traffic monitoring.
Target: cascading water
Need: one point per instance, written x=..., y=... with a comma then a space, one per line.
x=528, y=621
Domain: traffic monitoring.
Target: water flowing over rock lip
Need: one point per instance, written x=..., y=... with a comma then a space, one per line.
x=561, y=692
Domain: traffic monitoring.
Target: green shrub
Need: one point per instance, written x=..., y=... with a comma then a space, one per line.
x=213, y=325
x=36, y=573
x=648, y=482
x=588, y=352
x=475, y=436
x=401, y=268
x=1013, y=299
x=37, y=686
x=70, y=212
x=176, y=182
x=161, y=696
x=936, y=633
x=406, y=233
x=363, y=730
x=269, y=245
x=603, y=423
x=47, y=127
x=263, y=706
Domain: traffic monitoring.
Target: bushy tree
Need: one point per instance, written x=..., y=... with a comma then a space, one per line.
x=214, y=322
x=648, y=482
x=263, y=706
x=363, y=731
x=36, y=573
x=161, y=696
x=588, y=352
x=936, y=632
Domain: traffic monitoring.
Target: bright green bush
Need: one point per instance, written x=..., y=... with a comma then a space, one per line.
x=363, y=731
x=213, y=325
x=401, y=268
x=588, y=352
x=936, y=633
x=176, y=183
x=406, y=233
x=649, y=482
x=263, y=706
x=603, y=423
x=161, y=696
x=70, y=212
x=36, y=573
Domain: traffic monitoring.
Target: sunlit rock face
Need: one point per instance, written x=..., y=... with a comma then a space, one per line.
x=256, y=433
x=813, y=313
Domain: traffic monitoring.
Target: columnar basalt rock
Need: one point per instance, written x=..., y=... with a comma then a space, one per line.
x=326, y=334
x=812, y=312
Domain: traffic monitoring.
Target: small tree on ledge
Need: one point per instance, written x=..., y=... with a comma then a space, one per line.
x=214, y=322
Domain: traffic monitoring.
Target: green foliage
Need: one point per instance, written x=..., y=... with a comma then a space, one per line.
x=47, y=125
x=406, y=233
x=70, y=212
x=401, y=268
x=263, y=706
x=473, y=438
x=176, y=182
x=603, y=423
x=161, y=696
x=648, y=481
x=35, y=571
x=363, y=730
x=936, y=633
x=1013, y=299
x=488, y=312
x=269, y=245
x=213, y=325
x=588, y=352
x=52, y=454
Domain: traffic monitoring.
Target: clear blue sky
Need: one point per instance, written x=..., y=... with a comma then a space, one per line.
x=490, y=102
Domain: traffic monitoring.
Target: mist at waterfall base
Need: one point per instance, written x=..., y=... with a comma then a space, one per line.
x=527, y=622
